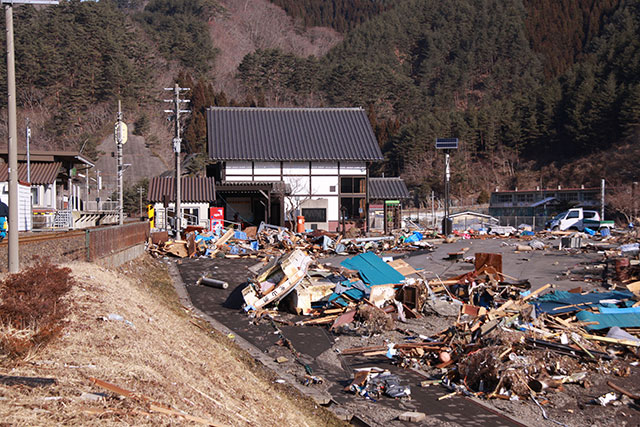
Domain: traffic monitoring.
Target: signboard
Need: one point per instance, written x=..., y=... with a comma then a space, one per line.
x=216, y=218
x=121, y=132
x=446, y=143
x=391, y=202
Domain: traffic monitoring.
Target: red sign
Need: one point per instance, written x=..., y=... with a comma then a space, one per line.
x=216, y=218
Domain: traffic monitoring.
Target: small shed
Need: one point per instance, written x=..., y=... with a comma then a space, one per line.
x=386, y=197
x=196, y=196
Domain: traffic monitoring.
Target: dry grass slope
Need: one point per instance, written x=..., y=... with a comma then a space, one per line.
x=156, y=351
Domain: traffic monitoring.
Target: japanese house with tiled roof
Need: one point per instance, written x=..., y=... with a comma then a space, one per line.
x=272, y=164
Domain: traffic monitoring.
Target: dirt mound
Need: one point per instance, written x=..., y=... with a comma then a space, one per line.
x=126, y=328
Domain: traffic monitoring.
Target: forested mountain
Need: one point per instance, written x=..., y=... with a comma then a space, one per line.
x=527, y=85
x=477, y=70
x=343, y=15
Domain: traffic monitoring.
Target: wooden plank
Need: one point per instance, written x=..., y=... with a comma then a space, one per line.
x=623, y=391
x=402, y=267
x=113, y=388
x=225, y=237
x=483, y=259
x=630, y=343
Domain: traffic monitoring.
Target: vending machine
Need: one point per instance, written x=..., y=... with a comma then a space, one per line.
x=216, y=219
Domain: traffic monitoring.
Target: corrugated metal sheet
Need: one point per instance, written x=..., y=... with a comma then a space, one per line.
x=193, y=189
x=388, y=189
x=290, y=134
x=42, y=173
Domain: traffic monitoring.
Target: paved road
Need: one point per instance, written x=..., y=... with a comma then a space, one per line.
x=540, y=267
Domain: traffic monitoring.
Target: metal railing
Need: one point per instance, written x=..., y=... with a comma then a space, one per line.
x=106, y=206
x=535, y=222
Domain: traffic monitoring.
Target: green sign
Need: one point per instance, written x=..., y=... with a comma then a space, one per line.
x=391, y=202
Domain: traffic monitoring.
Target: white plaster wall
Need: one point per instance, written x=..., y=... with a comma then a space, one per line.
x=321, y=185
x=333, y=213
x=50, y=196
x=353, y=168
x=295, y=168
x=324, y=168
x=299, y=184
x=238, y=168
x=238, y=178
x=267, y=168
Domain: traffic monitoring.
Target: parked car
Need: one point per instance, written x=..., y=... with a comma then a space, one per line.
x=578, y=219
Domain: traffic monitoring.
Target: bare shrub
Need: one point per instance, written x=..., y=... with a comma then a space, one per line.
x=32, y=307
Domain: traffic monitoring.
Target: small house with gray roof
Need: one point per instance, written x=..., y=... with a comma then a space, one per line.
x=273, y=164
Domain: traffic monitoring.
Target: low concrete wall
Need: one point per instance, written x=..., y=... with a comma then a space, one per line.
x=119, y=258
x=109, y=247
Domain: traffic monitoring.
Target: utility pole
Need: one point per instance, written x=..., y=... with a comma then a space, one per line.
x=28, y=135
x=634, y=195
x=14, y=263
x=433, y=209
x=98, y=188
x=602, y=200
x=120, y=136
x=12, y=169
x=177, y=144
x=140, y=192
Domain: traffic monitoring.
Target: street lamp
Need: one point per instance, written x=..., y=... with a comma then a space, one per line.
x=14, y=262
x=446, y=144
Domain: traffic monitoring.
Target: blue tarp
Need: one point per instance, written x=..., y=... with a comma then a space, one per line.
x=373, y=269
x=549, y=302
x=622, y=320
x=415, y=237
x=611, y=310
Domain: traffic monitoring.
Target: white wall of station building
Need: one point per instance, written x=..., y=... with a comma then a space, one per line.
x=308, y=180
x=24, y=204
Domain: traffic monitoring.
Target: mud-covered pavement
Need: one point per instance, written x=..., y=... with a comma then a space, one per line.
x=317, y=345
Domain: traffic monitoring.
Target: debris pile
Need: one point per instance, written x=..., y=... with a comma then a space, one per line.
x=507, y=342
x=271, y=240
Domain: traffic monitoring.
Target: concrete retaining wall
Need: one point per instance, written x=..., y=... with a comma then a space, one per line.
x=119, y=258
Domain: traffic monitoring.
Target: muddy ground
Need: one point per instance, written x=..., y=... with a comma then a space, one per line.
x=319, y=348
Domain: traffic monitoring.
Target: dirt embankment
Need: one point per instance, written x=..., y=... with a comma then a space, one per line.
x=127, y=328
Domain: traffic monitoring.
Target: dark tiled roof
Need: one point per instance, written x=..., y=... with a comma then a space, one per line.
x=42, y=173
x=388, y=189
x=302, y=134
x=192, y=189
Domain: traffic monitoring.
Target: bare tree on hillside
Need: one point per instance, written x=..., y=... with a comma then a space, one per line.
x=622, y=200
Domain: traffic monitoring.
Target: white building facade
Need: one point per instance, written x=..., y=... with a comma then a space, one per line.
x=319, y=156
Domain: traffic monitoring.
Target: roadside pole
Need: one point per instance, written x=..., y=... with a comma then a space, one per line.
x=120, y=136
x=446, y=144
x=13, y=256
x=177, y=148
x=602, y=200
x=14, y=263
